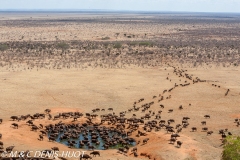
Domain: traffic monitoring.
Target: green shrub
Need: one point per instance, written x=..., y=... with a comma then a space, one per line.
x=117, y=45
x=231, y=149
x=3, y=47
x=62, y=46
x=145, y=43
x=133, y=43
x=105, y=44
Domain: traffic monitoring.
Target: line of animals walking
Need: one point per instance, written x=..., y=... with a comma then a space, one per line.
x=116, y=129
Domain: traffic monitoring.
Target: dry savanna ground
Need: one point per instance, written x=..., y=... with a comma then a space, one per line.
x=73, y=62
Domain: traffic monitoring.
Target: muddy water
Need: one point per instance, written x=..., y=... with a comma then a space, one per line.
x=82, y=135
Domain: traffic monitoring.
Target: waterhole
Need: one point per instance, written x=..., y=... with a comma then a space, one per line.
x=92, y=136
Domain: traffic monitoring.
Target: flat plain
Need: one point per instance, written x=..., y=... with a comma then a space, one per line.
x=79, y=62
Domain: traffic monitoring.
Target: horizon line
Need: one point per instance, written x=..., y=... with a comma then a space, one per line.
x=105, y=10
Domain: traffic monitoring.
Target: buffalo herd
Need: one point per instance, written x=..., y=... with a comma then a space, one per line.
x=115, y=130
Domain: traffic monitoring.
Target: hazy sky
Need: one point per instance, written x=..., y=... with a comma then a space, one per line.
x=135, y=5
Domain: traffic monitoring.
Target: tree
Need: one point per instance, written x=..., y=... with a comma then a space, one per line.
x=231, y=148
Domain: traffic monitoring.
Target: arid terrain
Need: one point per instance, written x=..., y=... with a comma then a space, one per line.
x=185, y=65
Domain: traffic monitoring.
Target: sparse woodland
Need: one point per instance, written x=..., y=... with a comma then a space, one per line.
x=120, y=42
x=17, y=56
